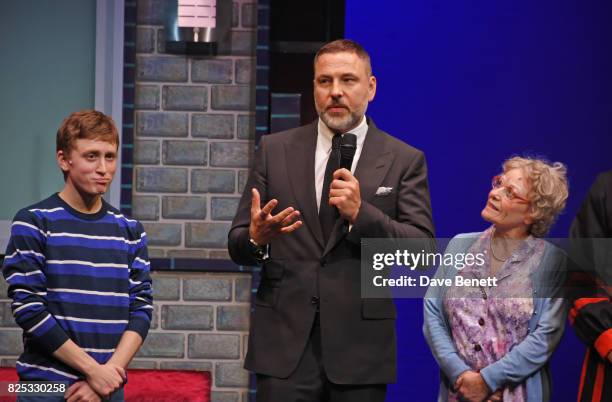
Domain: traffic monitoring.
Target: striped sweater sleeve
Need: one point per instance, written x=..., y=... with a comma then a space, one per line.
x=24, y=270
x=141, y=299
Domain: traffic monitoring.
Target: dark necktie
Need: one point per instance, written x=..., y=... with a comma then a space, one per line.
x=329, y=214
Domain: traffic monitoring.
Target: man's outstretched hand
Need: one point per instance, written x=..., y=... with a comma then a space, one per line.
x=265, y=226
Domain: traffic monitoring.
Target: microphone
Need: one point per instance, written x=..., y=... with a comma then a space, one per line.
x=348, y=146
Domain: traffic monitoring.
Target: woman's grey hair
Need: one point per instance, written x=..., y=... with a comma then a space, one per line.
x=548, y=190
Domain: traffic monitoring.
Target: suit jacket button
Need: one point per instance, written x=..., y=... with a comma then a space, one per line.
x=481, y=321
x=477, y=348
x=314, y=300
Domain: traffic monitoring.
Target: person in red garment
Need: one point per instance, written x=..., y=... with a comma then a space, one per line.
x=591, y=314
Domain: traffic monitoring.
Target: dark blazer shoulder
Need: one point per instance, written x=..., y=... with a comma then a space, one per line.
x=603, y=184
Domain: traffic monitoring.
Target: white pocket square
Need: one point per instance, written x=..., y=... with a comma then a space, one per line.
x=382, y=191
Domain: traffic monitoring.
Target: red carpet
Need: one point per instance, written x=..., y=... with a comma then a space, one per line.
x=151, y=385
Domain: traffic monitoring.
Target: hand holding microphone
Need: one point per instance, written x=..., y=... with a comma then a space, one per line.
x=344, y=189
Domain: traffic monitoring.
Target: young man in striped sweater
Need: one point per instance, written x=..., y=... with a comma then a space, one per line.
x=78, y=271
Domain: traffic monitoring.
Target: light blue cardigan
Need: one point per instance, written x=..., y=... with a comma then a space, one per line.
x=527, y=361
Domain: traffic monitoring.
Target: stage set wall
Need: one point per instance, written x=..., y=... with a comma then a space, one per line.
x=469, y=83
x=472, y=83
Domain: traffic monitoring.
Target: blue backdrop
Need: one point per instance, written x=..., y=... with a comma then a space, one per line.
x=472, y=83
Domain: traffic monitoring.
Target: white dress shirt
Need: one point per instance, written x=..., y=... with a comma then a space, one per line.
x=324, y=145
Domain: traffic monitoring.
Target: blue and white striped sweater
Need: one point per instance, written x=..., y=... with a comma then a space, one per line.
x=78, y=276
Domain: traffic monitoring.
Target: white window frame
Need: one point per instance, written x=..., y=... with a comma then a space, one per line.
x=109, y=74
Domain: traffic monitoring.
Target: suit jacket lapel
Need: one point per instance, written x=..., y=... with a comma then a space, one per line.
x=300, y=157
x=374, y=163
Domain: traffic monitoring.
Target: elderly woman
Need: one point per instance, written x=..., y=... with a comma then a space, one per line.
x=493, y=343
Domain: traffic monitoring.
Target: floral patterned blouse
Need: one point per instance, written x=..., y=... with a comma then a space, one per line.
x=487, y=322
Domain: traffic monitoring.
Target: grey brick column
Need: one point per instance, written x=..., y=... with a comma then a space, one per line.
x=194, y=132
x=11, y=344
x=194, y=124
x=201, y=322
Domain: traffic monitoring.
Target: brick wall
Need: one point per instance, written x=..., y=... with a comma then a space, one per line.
x=194, y=129
x=201, y=322
x=11, y=344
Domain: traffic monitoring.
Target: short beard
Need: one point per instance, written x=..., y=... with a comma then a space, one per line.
x=340, y=124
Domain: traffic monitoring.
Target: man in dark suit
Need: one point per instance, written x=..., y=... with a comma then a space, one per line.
x=313, y=338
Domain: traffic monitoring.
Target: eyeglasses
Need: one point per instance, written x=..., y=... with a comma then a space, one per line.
x=508, y=191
